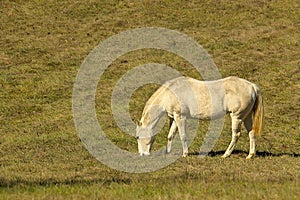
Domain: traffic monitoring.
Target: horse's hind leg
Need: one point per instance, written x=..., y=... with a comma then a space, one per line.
x=248, y=125
x=236, y=132
x=171, y=135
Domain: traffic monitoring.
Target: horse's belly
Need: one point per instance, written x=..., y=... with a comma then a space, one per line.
x=207, y=112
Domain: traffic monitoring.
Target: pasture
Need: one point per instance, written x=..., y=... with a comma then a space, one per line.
x=42, y=46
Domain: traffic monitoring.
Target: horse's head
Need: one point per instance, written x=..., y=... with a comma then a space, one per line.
x=145, y=139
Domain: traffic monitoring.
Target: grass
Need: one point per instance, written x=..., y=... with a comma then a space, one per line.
x=43, y=44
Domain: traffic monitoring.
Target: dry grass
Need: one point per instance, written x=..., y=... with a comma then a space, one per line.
x=43, y=44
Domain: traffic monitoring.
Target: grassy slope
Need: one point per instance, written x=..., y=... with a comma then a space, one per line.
x=42, y=46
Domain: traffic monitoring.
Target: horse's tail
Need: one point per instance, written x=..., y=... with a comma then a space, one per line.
x=258, y=112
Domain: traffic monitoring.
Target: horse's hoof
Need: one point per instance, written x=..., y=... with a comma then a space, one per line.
x=185, y=155
x=225, y=156
x=250, y=156
x=168, y=151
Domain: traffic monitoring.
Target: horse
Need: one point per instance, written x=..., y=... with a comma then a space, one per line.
x=183, y=98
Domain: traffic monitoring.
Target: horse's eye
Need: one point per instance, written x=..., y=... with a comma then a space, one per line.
x=137, y=137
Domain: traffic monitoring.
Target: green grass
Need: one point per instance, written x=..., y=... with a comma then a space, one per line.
x=42, y=46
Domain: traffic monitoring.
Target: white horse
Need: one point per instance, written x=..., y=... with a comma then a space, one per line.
x=184, y=97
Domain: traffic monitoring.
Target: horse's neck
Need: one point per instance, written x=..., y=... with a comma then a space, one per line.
x=152, y=115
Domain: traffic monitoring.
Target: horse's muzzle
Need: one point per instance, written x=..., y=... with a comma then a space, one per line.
x=145, y=154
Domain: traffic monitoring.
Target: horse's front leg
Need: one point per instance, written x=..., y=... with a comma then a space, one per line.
x=181, y=124
x=171, y=135
x=236, y=132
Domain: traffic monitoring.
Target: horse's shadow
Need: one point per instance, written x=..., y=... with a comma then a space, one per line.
x=241, y=152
